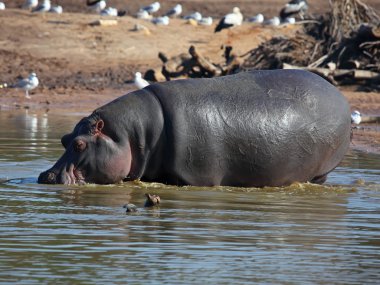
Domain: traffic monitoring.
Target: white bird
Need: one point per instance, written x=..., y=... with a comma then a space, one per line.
x=27, y=84
x=356, y=117
x=142, y=14
x=152, y=8
x=275, y=21
x=289, y=20
x=294, y=7
x=2, y=6
x=44, y=7
x=30, y=4
x=164, y=21
x=175, y=11
x=96, y=5
x=56, y=9
x=109, y=11
x=259, y=18
x=139, y=81
x=195, y=16
x=205, y=21
x=230, y=20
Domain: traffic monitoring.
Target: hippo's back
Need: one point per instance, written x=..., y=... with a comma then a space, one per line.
x=253, y=129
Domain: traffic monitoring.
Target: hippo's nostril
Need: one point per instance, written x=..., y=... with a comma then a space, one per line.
x=47, y=177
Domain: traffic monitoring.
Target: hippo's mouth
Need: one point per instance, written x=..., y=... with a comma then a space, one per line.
x=72, y=176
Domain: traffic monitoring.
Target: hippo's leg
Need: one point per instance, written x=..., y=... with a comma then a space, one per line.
x=319, y=179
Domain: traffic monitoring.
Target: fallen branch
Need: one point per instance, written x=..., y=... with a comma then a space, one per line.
x=204, y=63
x=357, y=74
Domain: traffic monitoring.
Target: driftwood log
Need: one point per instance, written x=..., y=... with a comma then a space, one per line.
x=193, y=65
x=333, y=75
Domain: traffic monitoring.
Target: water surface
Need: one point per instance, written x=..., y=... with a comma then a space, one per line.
x=304, y=234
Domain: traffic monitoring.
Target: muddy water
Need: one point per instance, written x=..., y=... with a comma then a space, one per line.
x=303, y=234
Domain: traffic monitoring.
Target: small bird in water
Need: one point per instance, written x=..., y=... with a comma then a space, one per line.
x=175, y=11
x=152, y=200
x=27, y=84
x=44, y=7
x=130, y=208
x=294, y=7
x=356, y=117
x=139, y=81
x=230, y=20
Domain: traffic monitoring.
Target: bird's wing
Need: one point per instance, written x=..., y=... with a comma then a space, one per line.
x=232, y=19
x=92, y=2
x=295, y=1
x=291, y=8
x=171, y=12
x=22, y=83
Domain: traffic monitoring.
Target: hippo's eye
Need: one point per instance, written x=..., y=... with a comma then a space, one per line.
x=79, y=145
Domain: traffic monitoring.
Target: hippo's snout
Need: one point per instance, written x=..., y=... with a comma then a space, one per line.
x=47, y=177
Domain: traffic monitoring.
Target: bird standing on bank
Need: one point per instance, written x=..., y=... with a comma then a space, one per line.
x=30, y=4
x=164, y=21
x=259, y=18
x=195, y=16
x=356, y=117
x=152, y=8
x=56, y=9
x=96, y=5
x=139, y=81
x=289, y=20
x=175, y=11
x=142, y=14
x=275, y=21
x=43, y=8
x=27, y=84
x=294, y=7
x=230, y=20
x=205, y=21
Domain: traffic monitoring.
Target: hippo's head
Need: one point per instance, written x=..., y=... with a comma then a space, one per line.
x=91, y=156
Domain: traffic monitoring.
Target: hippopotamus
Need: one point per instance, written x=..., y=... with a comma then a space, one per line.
x=251, y=129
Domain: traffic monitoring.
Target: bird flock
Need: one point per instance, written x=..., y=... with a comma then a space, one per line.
x=151, y=13
x=43, y=7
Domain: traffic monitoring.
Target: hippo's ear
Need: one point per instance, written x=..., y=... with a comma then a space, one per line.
x=99, y=126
